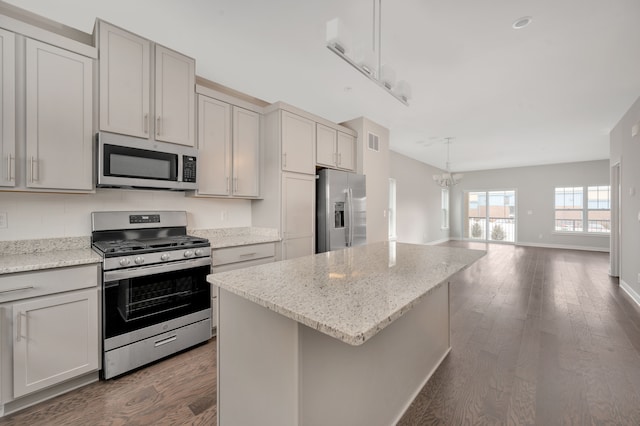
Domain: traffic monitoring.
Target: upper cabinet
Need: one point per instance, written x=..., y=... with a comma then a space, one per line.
x=8, y=109
x=47, y=113
x=335, y=149
x=298, y=142
x=229, y=149
x=127, y=103
x=59, y=88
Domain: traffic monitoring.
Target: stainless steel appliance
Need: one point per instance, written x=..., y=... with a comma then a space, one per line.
x=130, y=162
x=155, y=297
x=341, y=215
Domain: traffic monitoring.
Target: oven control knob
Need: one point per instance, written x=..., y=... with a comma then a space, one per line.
x=165, y=257
x=124, y=262
x=199, y=252
x=139, y=260
x=188, y=253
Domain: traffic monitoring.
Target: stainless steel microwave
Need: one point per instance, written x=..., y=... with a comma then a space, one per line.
x=130, y=162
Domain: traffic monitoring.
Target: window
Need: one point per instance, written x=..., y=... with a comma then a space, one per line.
x=392, y=209
x=444, y=202
x=572, y=212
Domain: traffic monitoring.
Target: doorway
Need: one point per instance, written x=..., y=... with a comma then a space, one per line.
x=490, y=216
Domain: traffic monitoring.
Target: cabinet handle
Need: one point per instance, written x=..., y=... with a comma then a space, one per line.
x=145, y=124
x=339, y=158
x=335, y=158
x=248, y=254
x=158, y=125
x=16, y=289
x=284, y=161
x=19, y=326
x=34, y=169
x=165, y=341
x=10, y=159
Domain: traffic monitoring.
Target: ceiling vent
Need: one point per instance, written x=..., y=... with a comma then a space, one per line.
x=374, y=142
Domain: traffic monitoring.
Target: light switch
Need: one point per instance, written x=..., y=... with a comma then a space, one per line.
x=3, y=220
x=529, y=212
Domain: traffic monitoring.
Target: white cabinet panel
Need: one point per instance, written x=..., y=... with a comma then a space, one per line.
x=8, y=109
x=346, y=151
x=297, y=247
x=326, y=139
x=54, y=339
x=298, y=205
x=214, y=146
x=298, y=142
x=246, y=152
x=175, y=97
x=124, y=81
x=59, y=97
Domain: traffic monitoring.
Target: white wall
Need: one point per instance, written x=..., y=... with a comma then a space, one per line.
x=625, y=149
x=39, y=215
x=535, y=200
x=418, y=199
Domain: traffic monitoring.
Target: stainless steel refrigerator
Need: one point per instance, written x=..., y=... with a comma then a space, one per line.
x=341, y=210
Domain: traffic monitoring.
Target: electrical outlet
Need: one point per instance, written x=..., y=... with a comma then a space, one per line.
x=3, y=220
x=223, y=215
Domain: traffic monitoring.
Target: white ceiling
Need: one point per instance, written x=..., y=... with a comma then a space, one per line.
x=548, y=93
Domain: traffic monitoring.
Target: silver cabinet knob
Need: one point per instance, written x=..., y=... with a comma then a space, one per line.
x=199, y=252
x=165, y=257
x=188, y=253
x=124, y=262
x=139, y=260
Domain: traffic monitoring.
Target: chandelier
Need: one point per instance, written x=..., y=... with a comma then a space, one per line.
x=367, y=60
x=447, y=179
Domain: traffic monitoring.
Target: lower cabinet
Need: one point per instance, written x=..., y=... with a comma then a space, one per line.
x=54, y=339
x=232, y=258
x=49, y=334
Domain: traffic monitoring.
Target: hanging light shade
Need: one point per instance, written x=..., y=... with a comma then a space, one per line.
x=447, y=179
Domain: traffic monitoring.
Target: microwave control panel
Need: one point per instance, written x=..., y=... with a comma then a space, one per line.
x=188, y=168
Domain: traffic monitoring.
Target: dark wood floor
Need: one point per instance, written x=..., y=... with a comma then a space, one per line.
x=539, y=336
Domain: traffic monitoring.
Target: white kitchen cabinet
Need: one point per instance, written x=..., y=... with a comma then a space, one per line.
x=49, y=333
x=8, y=109
x=59, y=111
x=229, y=150
x=298, y=214
x=127, y=104
x=335, y=149
x=298, y=143
x=237, y=257
x=55, y=338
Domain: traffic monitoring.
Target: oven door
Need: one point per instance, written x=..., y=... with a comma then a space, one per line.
x=142, y=301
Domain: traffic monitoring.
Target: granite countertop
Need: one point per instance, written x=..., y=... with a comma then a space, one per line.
x=33, y=255
x=349, y=294
x=232, y=237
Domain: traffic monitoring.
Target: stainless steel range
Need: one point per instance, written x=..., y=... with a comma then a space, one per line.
x=155, y=297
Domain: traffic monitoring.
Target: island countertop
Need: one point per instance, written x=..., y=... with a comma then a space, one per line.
x=349, y=294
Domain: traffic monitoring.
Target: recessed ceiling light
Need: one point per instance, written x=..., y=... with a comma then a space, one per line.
x=522, y=22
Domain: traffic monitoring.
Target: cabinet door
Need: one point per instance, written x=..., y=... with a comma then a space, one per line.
x=124, y=81
x=298, y=205
x=54, y=339
x=346, y=151
x=297, y=247
x=298, y=143
x=175, y=97
x=59, y=97
x=214, y=146
x=7, y=109
x=325, y=145
x=246, y=152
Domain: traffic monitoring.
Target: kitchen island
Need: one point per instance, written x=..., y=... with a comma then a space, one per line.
x=344, y=337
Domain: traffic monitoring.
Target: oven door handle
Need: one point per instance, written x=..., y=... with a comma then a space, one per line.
x=123, y=274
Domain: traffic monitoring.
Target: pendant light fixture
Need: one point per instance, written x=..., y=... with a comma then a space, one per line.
x=367, y=60
x=447, y=179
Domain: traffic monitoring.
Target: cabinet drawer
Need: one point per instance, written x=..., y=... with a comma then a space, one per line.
x=227, y=255
x=240, y=265
x=39, y=283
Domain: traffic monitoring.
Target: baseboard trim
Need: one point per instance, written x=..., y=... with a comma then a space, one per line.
x=563, y=246
x=634, y=295
x=433, y=243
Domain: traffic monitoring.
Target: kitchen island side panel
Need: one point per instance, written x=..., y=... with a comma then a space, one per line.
x=374, y=383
